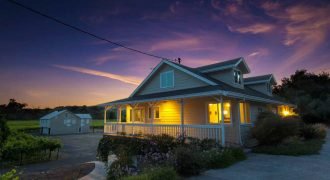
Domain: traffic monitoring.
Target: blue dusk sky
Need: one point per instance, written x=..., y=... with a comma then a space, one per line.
x=46, y=64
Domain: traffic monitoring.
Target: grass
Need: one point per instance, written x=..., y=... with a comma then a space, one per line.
x=292, y=149
x=34, y=124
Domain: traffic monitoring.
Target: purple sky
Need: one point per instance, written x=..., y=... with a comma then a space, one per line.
x=46, y=64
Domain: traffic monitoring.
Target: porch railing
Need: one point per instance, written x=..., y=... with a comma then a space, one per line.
x=190, y=130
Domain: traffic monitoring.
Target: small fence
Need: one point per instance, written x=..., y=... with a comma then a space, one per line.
x=190, y=130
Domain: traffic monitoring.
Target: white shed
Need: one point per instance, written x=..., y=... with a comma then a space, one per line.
x=64, y=122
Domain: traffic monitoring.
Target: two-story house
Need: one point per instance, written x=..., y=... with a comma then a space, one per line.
x=213, y=101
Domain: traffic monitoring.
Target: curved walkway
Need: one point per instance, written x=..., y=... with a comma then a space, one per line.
x=98, y=173
x=259, y=167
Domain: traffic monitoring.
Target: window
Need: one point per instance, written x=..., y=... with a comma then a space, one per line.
x=213, y=112
x=167, y=79
x=244, y=109
x=156, y=113
x=87, y=121
x=237, y=77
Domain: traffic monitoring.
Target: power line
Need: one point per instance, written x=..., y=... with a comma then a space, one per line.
x=81, y=30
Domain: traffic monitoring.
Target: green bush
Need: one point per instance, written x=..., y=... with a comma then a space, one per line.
x=313, y=131
x=164, y=142
x=4, y=131
x=159, y=173
x=19, y=144
x=271, y=129
x=120, y=167
x=221, y=158
x=188, y=162
x=10, y=175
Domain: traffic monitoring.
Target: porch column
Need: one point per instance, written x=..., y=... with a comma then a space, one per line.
x=150, y=108
x=106, y=108
x=119, y=114
x=182, y=117
x=223, y=143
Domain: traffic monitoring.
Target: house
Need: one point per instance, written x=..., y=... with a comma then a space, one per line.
x=64, y=122
x=213, y=101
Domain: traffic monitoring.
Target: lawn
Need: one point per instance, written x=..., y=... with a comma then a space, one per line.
x=32, y=124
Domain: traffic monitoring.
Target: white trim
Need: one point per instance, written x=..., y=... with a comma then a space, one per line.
x=262, y=81
x=217, y=68
x=228, y=66
x=247, y=67
x=209, y=93
x=175, y=66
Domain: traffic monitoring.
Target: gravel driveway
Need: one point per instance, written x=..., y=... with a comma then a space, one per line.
x=259, y=166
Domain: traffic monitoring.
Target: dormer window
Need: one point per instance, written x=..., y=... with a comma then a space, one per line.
x=167, y=79
x=237, y=77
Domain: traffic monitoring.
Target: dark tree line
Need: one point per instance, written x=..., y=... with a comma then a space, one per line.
x=310, y=92
x=19, y=111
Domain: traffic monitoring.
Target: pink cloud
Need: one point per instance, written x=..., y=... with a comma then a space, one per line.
x=185, y=43
x=253, y=29
x=125, y=79
x=305, y=28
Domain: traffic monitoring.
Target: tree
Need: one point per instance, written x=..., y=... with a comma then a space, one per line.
x=310, y=92
x=4, y=131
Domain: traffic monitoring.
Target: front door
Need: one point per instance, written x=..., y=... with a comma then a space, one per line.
x=213, y=113
x=139, y=115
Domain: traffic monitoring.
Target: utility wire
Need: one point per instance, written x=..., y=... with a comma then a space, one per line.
x=81, y=30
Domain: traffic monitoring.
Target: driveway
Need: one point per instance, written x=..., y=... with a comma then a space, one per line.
x=259, y=166
x=77, y=149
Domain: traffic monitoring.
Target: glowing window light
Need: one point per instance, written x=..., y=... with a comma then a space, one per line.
x=225, y=112
x=286, y=113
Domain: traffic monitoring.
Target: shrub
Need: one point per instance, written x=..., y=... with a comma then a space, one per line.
x=217, y=158
x=271, y=129
x=238, y=154
x=4, y=131
x=159, y=173
x=120, y=167
x=313, y=131
x=19, y=143
x=10, y=175
x=187, y=161
x=164, y=142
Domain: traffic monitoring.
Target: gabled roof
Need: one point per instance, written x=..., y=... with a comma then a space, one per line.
x=225, y=65
x=176, y=66
x=260, y=79
x=52, y=114
x=84, y=116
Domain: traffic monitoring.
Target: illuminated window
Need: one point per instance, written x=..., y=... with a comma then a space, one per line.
x=213, y=113
x=237, y=77
x=167, y=79
x=244, y=110
x=156, y=113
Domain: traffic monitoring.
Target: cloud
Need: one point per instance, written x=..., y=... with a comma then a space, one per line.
x=103, y=59
x=253, y=29
x=125, y=79
x=306, y=28
x=254, y=54
x=185, y=43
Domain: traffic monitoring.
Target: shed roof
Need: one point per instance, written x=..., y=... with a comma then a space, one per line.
x=84, y=116
x=52, y=114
